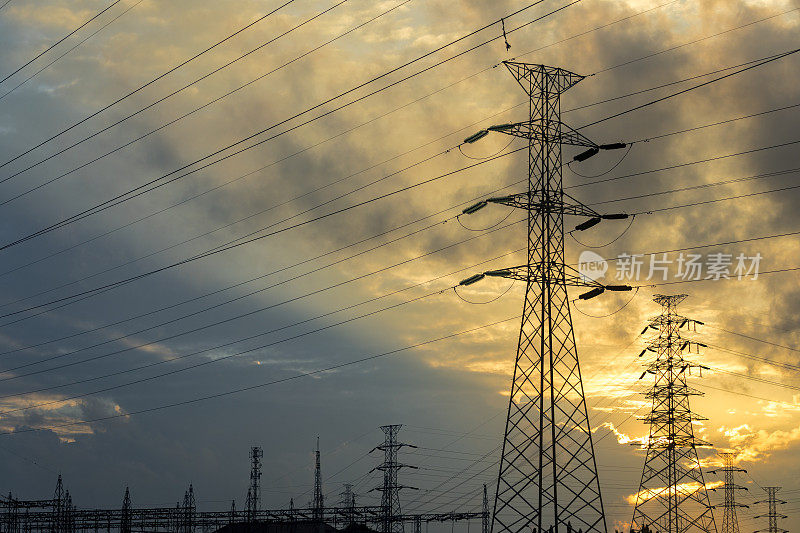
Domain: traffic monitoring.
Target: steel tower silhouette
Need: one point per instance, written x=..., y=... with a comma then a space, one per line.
x=730, y=522
x=390, y=490
x=772, y=502
x=318, y=505
x=672, y=495
x=548, y=473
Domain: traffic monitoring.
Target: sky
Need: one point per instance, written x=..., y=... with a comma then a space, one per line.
x=104, y=381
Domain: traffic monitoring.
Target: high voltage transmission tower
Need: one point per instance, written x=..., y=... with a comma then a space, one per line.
x=486, y=522
x=390, y=490
x=189, y=510
x=253, y=503
x=672, y=495
x=548, y=473
x=730, y=522
x=772, y=501
x=318, y=504
x=348, y=503
x=125, y=519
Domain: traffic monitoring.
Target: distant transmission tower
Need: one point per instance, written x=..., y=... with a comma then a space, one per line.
x=486, y=522
x=254, y=490
x=348, y=503
x=548, y=473
x=672, y=496
x=318, y=505
x=772, y=501
x=390, y=490
x=58, y=506
x=730, y=522
x=189, y=509
x=125, y=518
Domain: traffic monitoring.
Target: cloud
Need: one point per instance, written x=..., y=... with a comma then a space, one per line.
x=757, y=445
x=682, y=489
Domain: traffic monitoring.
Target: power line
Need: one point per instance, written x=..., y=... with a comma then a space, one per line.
x=321, y=187
x=245, y=85
x=723, y=243
x=141, y=87
x=695, y=41
x=173, y=93
x=154, y=183
x=776, y=271
x=179, y=203
x=753, y=338
x=706, y=185
x=236, y=341
x=71, y=49
x=785, y=366
x=67, y=36
x=231, y=319
x=690, y=163
x=692, y=88
x=234, y=242
x=261, y=229
x=259, y=78
x=265, y=384
x=273, y=272
x=242, y=176
x=244, y=242
x=716, y=200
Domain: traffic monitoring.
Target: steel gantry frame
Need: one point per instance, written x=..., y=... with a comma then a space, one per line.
x=20, y=516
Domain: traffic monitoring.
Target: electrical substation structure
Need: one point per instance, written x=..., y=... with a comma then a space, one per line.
x=672, y=495
x=59, y=515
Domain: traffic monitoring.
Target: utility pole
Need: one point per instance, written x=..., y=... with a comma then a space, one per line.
x=672, y=496
x=390, y=490
x=318, y=506
x=772, y=501
x=548, y=473
x=730, y=522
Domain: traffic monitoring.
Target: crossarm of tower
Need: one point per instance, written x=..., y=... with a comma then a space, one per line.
x=568, y=275
x=553, y=131
x=535, y=202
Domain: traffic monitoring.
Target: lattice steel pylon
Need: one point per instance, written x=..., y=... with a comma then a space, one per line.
x=253, y=501
x=318, y=505
x=730, y=522
x=548, y=473
x=390, y=489
x=125, y=518
x=773, y=515
x=672, y=495
x=348, y=503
